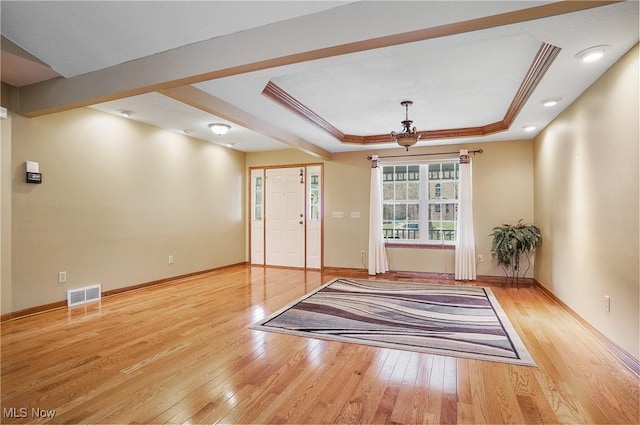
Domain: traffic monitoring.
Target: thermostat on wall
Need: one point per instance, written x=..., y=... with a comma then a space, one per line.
x=33, y=172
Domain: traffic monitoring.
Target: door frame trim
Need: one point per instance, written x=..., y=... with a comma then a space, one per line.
x=264, y=201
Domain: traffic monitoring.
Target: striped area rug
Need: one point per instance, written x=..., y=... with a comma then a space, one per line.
x=460, y=321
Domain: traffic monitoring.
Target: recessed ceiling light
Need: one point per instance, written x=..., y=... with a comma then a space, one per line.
x=592, y=54
x=219, y=128
x=552, y=101
x=125, y=112
x=529, y=128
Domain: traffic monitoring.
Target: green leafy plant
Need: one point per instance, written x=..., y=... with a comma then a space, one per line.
x=510, y=242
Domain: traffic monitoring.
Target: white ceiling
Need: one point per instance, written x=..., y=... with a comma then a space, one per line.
x=345, y=61
x=76, y=37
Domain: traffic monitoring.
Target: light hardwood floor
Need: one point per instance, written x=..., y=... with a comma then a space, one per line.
x=181, y=353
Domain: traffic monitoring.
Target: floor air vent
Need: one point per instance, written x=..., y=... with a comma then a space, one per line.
x=83, y=295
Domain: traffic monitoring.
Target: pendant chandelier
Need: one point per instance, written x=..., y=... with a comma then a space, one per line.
x=409, y=136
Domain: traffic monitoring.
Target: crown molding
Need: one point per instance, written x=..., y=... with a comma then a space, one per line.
x=541, y=62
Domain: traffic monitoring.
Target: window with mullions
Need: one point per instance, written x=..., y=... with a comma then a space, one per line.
x=420, y=202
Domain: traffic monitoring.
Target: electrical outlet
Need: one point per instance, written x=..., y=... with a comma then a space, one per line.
x=171, y=259
x=607, y=303
x=480, y=258
x=362, y=254
x=62, y=277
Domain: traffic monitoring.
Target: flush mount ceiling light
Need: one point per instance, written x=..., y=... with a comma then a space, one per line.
x=552, y=101
x=125, y=112
x=592, y=54
x=409, y=136
x=219, y=128
x=529, y=128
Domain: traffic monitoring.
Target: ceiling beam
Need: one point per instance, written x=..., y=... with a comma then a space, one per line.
x=202, y=100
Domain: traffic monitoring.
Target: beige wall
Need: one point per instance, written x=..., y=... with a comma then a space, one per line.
x=118, y=198
x=587, y=203
x=503, y=193
x=5, y=216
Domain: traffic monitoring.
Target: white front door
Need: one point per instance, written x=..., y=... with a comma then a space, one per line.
x=285, y=217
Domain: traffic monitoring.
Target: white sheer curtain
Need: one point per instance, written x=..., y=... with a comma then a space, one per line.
x=378, y=262
x=465, y=242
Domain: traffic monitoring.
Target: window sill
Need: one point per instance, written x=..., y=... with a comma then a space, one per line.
x=419, y=245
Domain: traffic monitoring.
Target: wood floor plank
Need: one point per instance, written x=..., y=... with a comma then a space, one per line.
x=404, y=405
x=181, y=352
x=335, y=394
x=533, y=405
x=366, y=397
x=288, y=385
x=448, y=411
x=501, y=396
x=385, y=408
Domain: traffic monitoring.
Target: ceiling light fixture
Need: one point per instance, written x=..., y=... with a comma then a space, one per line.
x=409, y=136
x=529, y=128
x=187, y=131
x=592, y=54
x=125, y=112
x=552, y=101
x=219, y=128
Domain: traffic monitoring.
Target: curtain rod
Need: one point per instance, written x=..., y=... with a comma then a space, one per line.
x=477, y=151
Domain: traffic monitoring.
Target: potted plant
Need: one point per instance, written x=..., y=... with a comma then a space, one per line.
x=509, y=243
